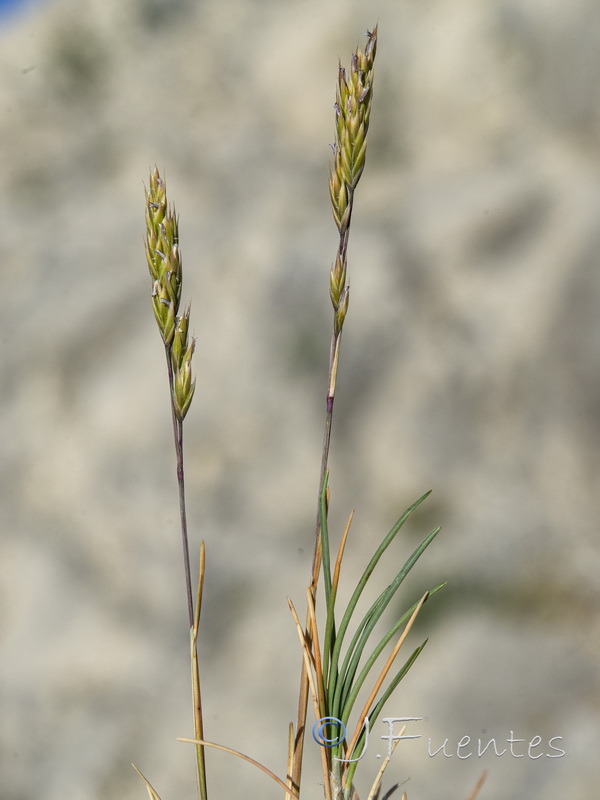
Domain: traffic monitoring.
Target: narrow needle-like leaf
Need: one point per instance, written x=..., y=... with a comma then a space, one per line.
x=382, y=676
x=318, y=665
x=340, y=555
x=374, y=714
x=349, y=682
x=244, y=757
x=309, y=665
x=363, y=632
x=325, y=551
x=151, y=791
x=309, y=660
x=478, y=785
x=290, y=758
x=386, y=761
x=330, y=620
x=369, y=571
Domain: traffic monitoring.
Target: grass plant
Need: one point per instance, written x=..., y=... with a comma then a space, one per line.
x=340, y=653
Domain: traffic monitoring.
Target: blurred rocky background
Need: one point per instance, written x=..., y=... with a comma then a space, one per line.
x=470, y=365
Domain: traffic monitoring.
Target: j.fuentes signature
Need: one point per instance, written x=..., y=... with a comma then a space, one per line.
x=331, y=731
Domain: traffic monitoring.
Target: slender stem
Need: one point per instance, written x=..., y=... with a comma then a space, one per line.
x=196, y=696
x=178, y=436
x=333, y=364
x=193, y=613
x=182, y=512
x=334, y=355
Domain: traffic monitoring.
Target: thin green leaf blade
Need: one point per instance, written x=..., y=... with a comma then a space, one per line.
x=367, y=574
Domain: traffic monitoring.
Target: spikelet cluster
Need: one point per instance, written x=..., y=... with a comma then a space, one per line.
x=164, y=263
x=353, y=110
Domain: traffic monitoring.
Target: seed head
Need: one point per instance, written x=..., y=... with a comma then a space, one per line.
x=164, y=262
x=164, y=311
x=352, y=110
x=183, y=385
x=180, y=344
x=163, y=255
x=337, y=280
